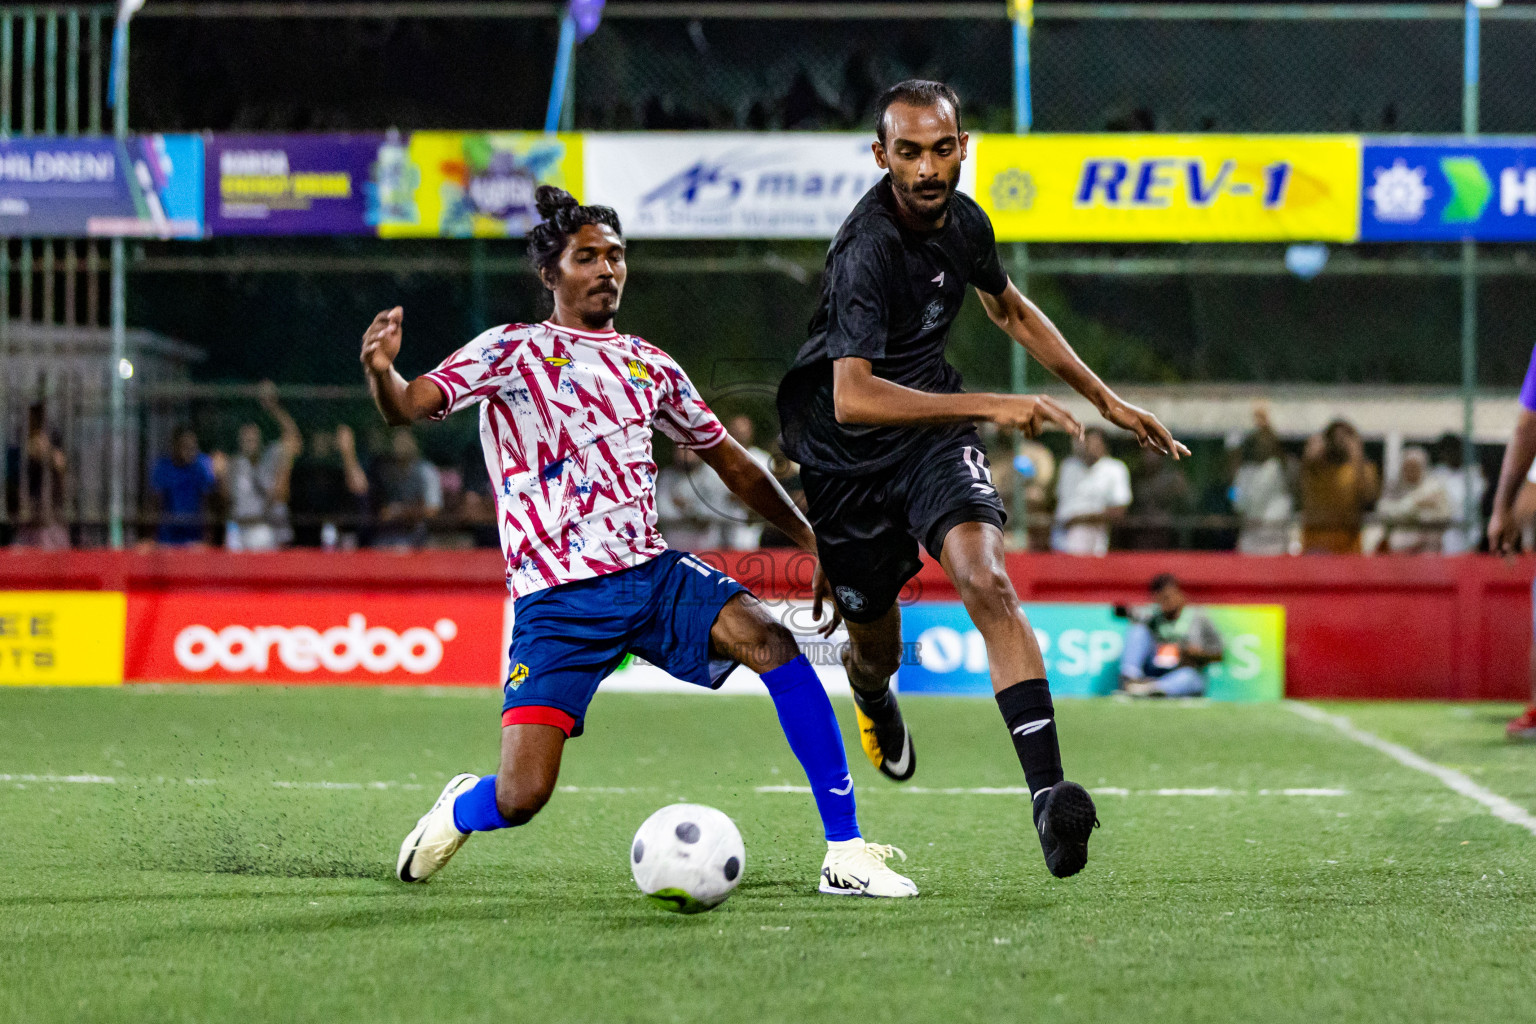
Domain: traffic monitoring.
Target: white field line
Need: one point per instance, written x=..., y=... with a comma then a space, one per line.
x=919, y=790
x=1096, y=791
x=106, y=779
x=1502, y=807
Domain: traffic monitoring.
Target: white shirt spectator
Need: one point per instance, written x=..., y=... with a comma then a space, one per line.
x=1084, y=490
x=1415, y=508
x=732, y=528
x=1261, y=496
x=1458, y=539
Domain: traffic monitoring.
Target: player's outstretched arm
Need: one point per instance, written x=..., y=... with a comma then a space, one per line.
x=858, y=396
x=1504, y=525
x=759, y=491
x=400, y=403
x=1023, y=321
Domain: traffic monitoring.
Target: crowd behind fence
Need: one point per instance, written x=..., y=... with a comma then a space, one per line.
x=1171, y=313
x=258, y=468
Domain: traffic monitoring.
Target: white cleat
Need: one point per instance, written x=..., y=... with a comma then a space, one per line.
x=435, y=839
x=857, y=868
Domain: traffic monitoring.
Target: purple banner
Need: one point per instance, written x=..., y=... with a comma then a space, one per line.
x=294, y=184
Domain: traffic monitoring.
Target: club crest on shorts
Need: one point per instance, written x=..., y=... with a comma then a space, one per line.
x=852, y=599
x=518, y=676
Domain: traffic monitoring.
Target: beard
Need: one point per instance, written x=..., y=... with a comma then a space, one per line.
x=600, y=311
x=930, y=206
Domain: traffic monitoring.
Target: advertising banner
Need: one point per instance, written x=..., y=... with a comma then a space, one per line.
x=299, y=184
x=473, y=184
x=731, y=185
x=1170, y=188
x=61, y=638
x=1446, y=190
x=235, y=637
x=1082, y=644
x=144, y=186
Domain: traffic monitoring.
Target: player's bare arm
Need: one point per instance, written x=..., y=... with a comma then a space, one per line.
x=1504, y=524
x=759, y=491
x=1024, y=322
x=400, y=402
x=860, y=397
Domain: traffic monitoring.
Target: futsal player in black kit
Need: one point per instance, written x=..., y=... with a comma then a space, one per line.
x=890, y=455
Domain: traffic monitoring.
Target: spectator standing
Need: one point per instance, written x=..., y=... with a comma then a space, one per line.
x=1459, y=538
x=1034, y=470
x=1093, y=491
x=328, y=490
x=183, y=483
x=737, y=529
x=787, y=472
x=1162, y=496
x=1338, y=486
x=407, y=493
x=683, y=513
x=258, y=479
x=1416, y=509
x=44, y=472
x=477, y=502
x=1263, y=492
x=1169, y=647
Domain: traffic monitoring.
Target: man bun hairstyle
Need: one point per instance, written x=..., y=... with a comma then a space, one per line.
x=561, y=217
x=917, y=92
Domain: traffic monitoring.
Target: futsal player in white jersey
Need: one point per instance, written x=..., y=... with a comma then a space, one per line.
x=567, y=408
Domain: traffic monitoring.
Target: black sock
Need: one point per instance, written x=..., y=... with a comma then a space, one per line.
x=1031, y=720
x=875, y=701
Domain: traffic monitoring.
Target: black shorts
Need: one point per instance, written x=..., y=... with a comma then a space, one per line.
x=868, y=527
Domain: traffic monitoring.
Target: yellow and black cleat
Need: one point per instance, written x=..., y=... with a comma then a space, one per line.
x=884, y=736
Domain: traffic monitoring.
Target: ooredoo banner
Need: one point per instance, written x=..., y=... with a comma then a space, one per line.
x=228, y=636
x=1082, y=644
x=731, y=185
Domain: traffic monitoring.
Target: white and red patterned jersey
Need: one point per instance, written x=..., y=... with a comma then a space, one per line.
x=565, y=423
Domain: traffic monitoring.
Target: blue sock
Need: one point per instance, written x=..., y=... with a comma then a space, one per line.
x=810, y=725
x=475, y=809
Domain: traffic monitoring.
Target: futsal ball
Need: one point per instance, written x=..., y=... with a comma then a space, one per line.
x=687, y=858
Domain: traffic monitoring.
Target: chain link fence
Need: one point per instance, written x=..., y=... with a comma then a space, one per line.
x=734, y=313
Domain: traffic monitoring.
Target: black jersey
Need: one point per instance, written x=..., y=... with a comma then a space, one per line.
x=888, y=295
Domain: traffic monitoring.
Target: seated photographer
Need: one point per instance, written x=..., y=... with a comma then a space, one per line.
x=1167, y=646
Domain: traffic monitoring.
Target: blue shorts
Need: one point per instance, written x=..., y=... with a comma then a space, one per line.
x=568, y=638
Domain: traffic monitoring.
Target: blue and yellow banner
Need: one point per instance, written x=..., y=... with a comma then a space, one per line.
x=1169, y=188
x=1082, y=644
x=142, y=186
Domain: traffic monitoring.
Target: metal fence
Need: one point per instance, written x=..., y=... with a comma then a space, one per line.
x=1376, y=315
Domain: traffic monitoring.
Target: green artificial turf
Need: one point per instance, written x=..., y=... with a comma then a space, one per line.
x=239, y=868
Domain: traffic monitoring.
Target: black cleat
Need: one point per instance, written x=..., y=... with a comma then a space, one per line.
x=1065, y=821
x=884, y=736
